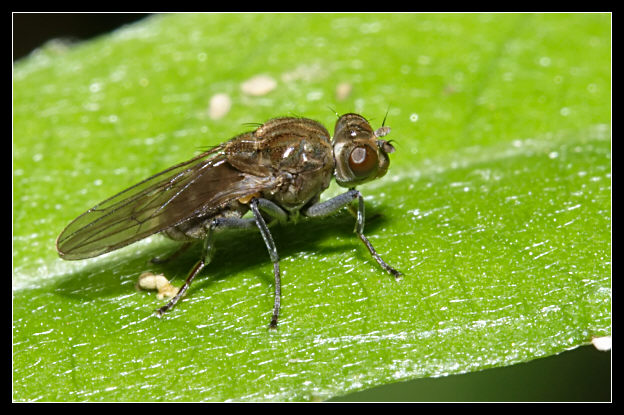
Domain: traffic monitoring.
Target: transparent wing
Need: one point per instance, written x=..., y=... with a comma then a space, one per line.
x=197, y=187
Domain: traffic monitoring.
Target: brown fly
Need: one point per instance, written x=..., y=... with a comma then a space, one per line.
x=277, y=171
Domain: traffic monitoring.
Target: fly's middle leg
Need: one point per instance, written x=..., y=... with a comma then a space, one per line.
x=278, y=213
x=333, y=205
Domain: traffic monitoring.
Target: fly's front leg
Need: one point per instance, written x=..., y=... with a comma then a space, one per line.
x=359, y=230
x=278, y=213
x=333, y=205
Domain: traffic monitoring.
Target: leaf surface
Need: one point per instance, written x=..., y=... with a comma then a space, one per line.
x=496, y=207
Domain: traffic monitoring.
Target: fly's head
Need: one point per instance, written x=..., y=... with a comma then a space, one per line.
x=360, y=153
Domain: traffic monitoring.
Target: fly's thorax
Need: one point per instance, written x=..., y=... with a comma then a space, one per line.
x=296, y=152
x=359, y=152
x=282, y=144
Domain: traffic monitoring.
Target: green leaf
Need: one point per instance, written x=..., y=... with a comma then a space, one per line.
x=496, y=207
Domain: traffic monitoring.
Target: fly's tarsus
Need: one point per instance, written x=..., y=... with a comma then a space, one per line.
x=278, y=296
x=198, y=267
x=397, y=274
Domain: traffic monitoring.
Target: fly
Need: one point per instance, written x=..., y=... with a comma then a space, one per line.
x=277, y=172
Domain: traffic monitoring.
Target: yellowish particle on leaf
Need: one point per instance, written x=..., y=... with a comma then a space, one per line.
x=151, y=281
x=258, y=85
x=220, y=105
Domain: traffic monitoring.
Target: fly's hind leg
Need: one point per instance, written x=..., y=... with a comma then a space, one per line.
x=333, y=205
x=207, y=254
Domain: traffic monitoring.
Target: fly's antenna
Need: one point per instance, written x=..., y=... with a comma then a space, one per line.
x=383, y=130
x=383, y=123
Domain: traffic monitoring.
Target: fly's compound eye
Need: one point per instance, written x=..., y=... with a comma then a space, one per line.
x=363, y=161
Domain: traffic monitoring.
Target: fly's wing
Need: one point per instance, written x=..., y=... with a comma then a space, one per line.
x=166, y=199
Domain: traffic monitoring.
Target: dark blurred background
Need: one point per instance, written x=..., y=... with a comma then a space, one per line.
x=579, y=375
x=583, y=374
x=31, y=30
